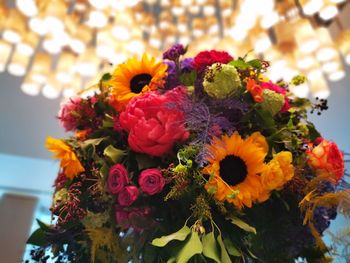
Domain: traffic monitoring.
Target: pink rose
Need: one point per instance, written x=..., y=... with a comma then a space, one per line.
x=117, y=178
x=154, y=122
x=151, y=181
x=128, y=195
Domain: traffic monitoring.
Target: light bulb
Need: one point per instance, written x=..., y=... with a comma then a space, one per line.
x=27, y=7
x=97, y=19
x=38, y=26
x=31, y=89
x=11, y=36
x=311, y=7
x=50, y=92
x=336, y=75
x=328, y=12
x=121, y=33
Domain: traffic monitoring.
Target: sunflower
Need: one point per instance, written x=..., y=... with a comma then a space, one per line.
x=234, y=168
x=135, y=77
x=69, y=161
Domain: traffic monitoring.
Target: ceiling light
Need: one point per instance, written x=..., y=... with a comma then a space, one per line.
x=329, y=11
x=30, y=88
x=50, y=92
x=97, y=19
x=311, y=7
x=27, y=7
x=336, y=75
x=99, y=4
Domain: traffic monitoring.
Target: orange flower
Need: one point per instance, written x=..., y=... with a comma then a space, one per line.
x=326, y=157
x=278, y=172
x=69, y=162
x=255, y=90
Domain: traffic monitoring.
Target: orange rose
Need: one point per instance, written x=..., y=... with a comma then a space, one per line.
x=277, y=172
x=326, y=156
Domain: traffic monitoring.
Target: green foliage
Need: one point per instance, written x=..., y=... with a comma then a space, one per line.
x=188, y=79
x=116, y=155
x=241, y=224
x=37, y=238
x=179, y=235
x=210, y=249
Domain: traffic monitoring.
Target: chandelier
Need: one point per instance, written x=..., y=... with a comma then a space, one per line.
x=58, y=46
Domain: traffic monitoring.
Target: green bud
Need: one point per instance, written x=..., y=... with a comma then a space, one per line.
x=273, y=102
x=222, y=81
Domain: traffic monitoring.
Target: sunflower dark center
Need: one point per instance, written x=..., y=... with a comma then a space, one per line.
x=139, y=81
x=233, y=170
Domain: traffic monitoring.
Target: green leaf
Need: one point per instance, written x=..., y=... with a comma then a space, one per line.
x=266, y=119
x=106, y=76
x=210, y=249
x=225, y=258
x=171, y=260
x=144, y=161
x=255, y=63
x=188, y=78
x=179, y=235
x=44, y=227
x=243, y=225
x=251, y=254
x=104, y=170
x=93, y=142
x=192, y=247
x=239, y=63
x=231, y=249
x=38, y=238
x=116, y=155
x=107, y=123
x=290, y=124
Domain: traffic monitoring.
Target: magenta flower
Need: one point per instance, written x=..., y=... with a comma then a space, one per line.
x=151, y=181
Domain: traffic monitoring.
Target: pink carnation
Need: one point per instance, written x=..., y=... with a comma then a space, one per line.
x=271, y=86
x=154, y=122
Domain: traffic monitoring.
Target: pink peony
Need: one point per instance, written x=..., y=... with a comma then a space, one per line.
x=151, y=181
x=117, y=178
x=128, y=195
x=271, y=86
x=154, y=122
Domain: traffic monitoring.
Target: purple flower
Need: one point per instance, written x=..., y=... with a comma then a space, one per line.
x=174, y=52
x=186, y=65
x=172, y=79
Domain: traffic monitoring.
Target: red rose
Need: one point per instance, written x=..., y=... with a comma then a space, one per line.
x=117, y=178
x=151, y=181
x=122, y=218
x=128, y=195
x=154, y=122
x=327, y=157
x=207, y=58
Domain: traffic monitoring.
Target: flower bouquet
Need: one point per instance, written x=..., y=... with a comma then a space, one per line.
x=192, y=160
